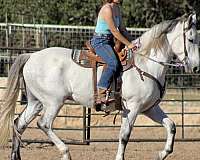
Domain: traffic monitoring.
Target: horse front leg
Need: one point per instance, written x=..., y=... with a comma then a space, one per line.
x=157, y=115
x=128, y=119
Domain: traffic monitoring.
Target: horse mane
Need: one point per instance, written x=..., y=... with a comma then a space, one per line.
x=156, y=37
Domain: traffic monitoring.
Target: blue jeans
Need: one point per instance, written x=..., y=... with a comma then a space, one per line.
x=103, y=46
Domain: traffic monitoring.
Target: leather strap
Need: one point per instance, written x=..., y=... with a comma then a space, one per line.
x=143, y=73
x=94, y=70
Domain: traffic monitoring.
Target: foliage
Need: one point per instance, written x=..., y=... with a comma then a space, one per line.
x=137, y=13
x=146, y=13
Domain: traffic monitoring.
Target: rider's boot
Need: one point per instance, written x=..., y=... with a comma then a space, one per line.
x=103, y=97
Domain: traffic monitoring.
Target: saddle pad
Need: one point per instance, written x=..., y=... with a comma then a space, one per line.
x=81, y=59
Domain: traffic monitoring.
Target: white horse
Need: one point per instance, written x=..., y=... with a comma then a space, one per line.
x=51, y=77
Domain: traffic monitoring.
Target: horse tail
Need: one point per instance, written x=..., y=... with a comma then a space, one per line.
x=7, y=107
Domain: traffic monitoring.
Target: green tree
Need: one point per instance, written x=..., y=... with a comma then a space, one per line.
x=137, y=13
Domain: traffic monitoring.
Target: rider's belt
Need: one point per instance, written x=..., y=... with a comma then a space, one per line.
x=103, y=35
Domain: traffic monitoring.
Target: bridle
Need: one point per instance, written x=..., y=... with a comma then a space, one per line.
x=185, y=60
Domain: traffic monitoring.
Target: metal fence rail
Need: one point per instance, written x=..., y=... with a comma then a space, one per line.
x=87, y=116
x=16, y=39
x=42, y=36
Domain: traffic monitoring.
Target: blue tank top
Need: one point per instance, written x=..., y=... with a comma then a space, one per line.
x=102, y=26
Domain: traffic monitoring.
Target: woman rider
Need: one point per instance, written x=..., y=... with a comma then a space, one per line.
x=109, y=26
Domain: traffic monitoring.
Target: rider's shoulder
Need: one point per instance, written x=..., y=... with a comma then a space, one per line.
x=106, y=8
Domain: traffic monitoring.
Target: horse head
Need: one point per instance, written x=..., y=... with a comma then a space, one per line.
x=184, y=42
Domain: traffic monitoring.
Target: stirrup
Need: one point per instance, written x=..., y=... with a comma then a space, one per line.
x=104, y=100
x=104, y=106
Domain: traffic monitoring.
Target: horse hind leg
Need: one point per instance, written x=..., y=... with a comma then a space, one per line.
x=45, y=124
x=21, y=123
x=157, y=115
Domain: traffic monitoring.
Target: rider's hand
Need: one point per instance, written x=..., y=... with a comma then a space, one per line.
x=136, y=44
x=131, y=46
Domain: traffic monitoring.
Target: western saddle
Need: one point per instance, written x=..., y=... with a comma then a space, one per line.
x=88, y=58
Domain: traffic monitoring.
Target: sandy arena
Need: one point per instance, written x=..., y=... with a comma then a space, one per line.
x=107, y=151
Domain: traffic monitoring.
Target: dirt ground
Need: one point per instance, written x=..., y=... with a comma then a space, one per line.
x=107, y=151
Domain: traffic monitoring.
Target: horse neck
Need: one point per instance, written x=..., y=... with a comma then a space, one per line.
x=175, y=39
x=147, y=63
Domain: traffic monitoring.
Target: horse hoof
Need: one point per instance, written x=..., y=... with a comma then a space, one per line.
x=66, y=157
x=15, y=156
x=162, y=155
x=158, y=156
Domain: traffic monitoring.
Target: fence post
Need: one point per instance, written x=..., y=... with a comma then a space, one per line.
x=23, y=33
x=7, y=40
x=182, y=113
x=84, y=124
x=88, y=125
x=45, y=35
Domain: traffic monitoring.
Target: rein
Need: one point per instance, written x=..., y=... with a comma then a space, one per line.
x=176, y=64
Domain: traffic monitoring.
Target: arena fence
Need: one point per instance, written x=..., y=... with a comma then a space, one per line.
x=183, y=109
x=182, y=105
x=22, y=38
x=182, y=96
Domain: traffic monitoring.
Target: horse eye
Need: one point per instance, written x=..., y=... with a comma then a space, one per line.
x=191, y=40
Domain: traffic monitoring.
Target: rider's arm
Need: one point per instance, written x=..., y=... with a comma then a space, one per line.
x=108, y=17
x=123, y=29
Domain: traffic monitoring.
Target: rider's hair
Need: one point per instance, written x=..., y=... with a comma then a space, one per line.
x=107, y=1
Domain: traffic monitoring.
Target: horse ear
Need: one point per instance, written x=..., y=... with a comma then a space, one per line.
x=192, y=20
